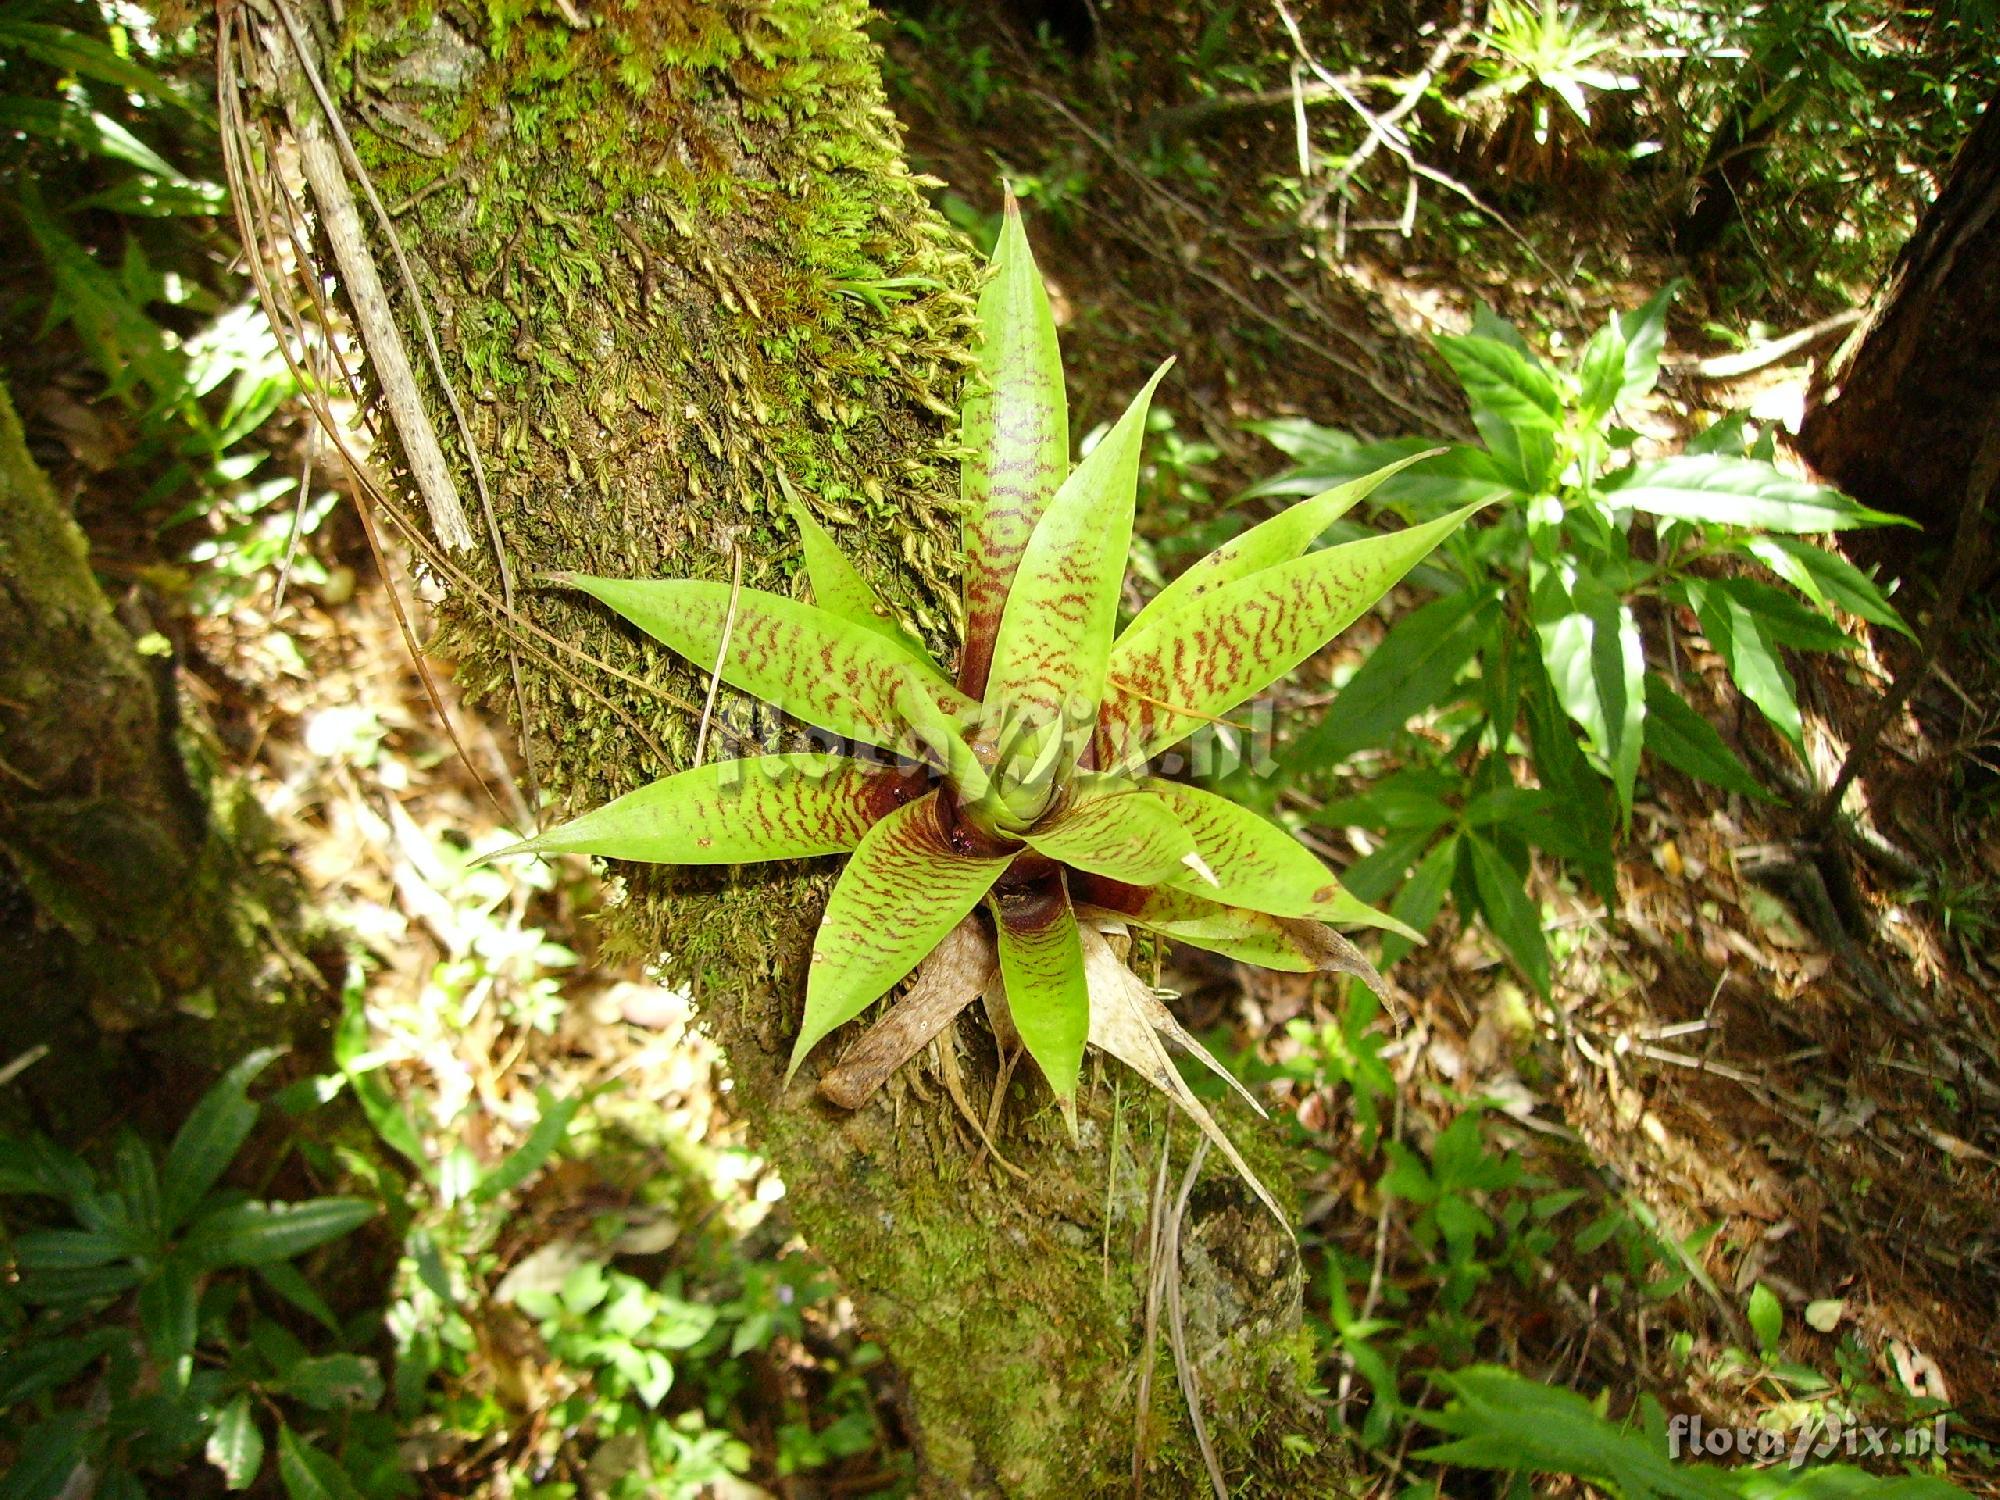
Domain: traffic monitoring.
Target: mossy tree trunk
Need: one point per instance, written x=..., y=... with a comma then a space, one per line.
x=134, y=906
x=1899, y=415
x=668, y=249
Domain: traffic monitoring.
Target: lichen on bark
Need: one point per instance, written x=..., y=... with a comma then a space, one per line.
x=680, y=274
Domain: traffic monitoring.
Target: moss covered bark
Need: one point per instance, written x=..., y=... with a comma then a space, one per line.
x=680, y=273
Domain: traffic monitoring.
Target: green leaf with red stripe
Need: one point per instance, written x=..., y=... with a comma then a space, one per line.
x=1016, y=433
x=1048, y=660
x=808, y=661
x=1200, y=659
x=1292, y=944
x=902, y=890
x=1116, y=830
x=839, y=588
x=1284, y=537
x=737, y=812
x=1258, y=865
x=1041, y=962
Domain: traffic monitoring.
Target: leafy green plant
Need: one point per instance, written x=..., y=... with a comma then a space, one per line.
x=1541, y=61
x=156, y=1327
x=1533, y=650
x=1016, y=833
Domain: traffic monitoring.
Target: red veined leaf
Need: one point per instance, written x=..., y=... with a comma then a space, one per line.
x=1041, y=963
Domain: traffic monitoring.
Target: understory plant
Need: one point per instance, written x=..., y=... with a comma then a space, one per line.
x=1551, y=646
x=1002, y=834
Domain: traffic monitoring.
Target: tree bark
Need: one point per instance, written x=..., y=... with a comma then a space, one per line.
x=1899, y=413
x=666, y=251
x=133, y=901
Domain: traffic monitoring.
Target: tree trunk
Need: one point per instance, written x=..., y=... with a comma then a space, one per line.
x=132, y=902
x=1899, y=413
x=667, y=250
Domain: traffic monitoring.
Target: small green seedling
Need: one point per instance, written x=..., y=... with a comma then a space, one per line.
x=1017, y=840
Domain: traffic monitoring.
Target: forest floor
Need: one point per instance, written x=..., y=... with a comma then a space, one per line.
x=1749, y=1075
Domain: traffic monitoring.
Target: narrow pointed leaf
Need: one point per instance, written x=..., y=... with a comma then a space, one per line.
x=1290, y=944
x=1509, y=910
x=1016, y=435
x=839, y=588
x=903, y=889
x=954, y=975
x=1284, y=537
x=1716, y=490
x=1041, y=963
x=1591, y=647
x=737, y=812
x=1203, y=657
x=1740, y=638
x=1122, y=1023
x=209, y=1139
x=811, y=663
x=941, y=740
x=1258, y=865
x=1689, y=743
x=1128, y=835
x=1062, y=607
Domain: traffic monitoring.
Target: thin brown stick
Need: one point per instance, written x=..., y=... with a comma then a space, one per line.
x=721, y=651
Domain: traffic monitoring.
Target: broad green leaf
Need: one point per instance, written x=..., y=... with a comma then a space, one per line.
x=1116, y=831
x=138, y=1186
x=1840, y=1482
x=284, y=1278
x=1766, y=1316
x=209, y=1139
x=250, y=1234
x=67, y=1249
x=839, y=589
x=1259, y=866
x=1420, y=900
x=942, y=741
x=1285, y=536
x=1457, y=476
x=1413, y=669
x=903, y=889
x=86, y=56
x=816, y=666
x=1515, y=405
x=1591, y=648
x=332, y=1382
x=1293, y=945
x=1199, y=660
x=1041, y=963
x=1739, y=639
x=71, y=1286
x=1688, y=742
x=736, y=812
x=1825, y=578
x=1509, y=910
x=1738, y=492
x=1784, y=619
x=169, y=1305
x=1567, y=776
x=236, y=1444
x=35, y=1165
x=1622, y=362
x=1016, y=435
x=1062, y=608
x=309, y=1472
x=551, y=1126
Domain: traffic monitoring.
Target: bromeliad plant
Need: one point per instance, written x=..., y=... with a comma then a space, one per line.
x=1015, y=840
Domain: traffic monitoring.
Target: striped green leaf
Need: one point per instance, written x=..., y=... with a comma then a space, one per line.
x=1115, y=830
x=1201, y=658
x=1258, y=865
x=1293, y=945
x=808, y=661
x=903, y=889
x=737, y=812
x=1041, y=963
x=1062, y=609
x=1284, y=537
x=1016, y=434
x=839, y=588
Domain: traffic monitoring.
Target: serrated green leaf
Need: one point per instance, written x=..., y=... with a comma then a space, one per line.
x=1259, y=866
x=209, y=1139
x=1062, y=608
x=310, y=1473
x=1016, y=435
x=1739, y=639
x=551, y=1126
x=1199, y=660
x=1688, y=742
x=1413, y=669
x=736, y=812
x=236, y=1444
x=1515, y=405
x=169, y=1308
x=1115, y=830
x=816, y=666
x=1825, y=578
x=839, y=589
x=903, y=889
x=1509, y=910
x=1723, y=491
x=249, y=1234
x=1041, y=963
x=1284, y=537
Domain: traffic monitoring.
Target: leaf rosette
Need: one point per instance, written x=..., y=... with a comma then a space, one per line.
x=1002, y=836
